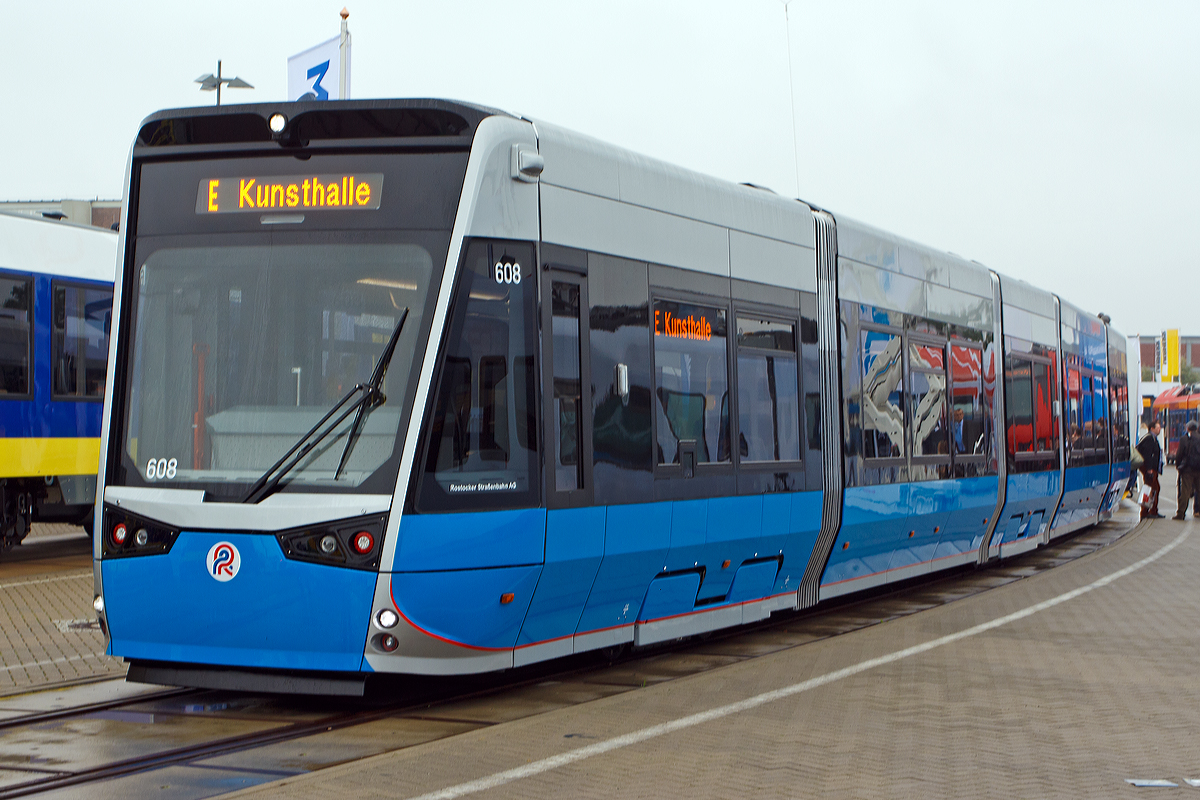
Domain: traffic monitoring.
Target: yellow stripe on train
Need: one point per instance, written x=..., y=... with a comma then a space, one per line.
x=27, y=458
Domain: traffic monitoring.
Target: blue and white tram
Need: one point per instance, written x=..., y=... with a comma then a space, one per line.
x=422, y=387
x=56, y=284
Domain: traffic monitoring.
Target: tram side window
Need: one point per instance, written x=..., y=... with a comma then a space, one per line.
x=1044, y=408
x=882, y=410
x=970, y=415
x=482, y=448
x=927, y=399
x=16, y=323
x=691, y=381
x=768, y=391
x=82, y=319
x=1100, y=408
x=1018, y=395
x=1086, y=420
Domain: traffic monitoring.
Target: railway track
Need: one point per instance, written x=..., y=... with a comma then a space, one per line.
x=418, y=700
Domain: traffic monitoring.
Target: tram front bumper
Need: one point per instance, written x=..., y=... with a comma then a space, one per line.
x=244, y=605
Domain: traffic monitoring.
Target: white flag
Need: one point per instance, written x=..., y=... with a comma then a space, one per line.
x=316, y=73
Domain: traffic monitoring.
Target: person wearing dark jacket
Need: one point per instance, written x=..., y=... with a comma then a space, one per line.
x=1152, y=466
x=1187, y=461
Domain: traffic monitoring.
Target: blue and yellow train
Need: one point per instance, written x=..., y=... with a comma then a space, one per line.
x=416, y=386
x=56, y=283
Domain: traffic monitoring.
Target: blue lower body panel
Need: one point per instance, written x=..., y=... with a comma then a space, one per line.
x=1029, y=500
x=274, y=613
x=1084, y=489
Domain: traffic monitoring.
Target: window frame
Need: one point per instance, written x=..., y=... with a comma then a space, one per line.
x=1031, y=359
x=558, y=269
x=966, y=458
x=434, y=501
x=921, y=339
x=30, y=349
x=768, y=314
x=886, y=461
x=66, y=283
x=670, y=471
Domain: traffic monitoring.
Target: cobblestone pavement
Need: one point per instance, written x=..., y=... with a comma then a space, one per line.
x=1075, y=694
x=48, y=630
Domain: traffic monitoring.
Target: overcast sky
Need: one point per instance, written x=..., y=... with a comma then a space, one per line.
x=1055, y=142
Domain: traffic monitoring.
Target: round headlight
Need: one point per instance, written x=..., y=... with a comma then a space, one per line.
x=328, y=543
x=387, y=618
x=141, y=537
x=388, y=643
x=277, y=123
x=98, y=604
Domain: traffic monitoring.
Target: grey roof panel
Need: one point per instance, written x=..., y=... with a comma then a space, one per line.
x=1027, y=296
x=882, y=288
x=869, y=245
x=575, y=161
x=584, y=164
x=757, y=258
x=576, y=219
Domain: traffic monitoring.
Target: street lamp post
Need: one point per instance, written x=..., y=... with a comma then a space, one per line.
x=210, y=82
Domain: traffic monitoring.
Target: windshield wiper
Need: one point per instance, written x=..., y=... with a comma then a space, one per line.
x=376, y=394
x=269, y=481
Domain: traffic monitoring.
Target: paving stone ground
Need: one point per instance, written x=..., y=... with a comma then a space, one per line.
x=1070, y=701
x=48, y=631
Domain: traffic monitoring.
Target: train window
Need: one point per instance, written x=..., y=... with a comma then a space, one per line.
x=1018, y=391
x=971, y=409
x=482, y=449
x=82, y=319
x=927, y=399
x=238, y=350
x=567, y=419
x=619, y=334
x=691, y=381
x=1046, y=437
x=768, y=391
x=882, y=411
x=16, y=323
x=1086, y=423
x=1100, y=409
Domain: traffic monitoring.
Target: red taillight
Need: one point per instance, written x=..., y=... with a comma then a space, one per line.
x=363, y=542
x=120, y=533
x=388, y=643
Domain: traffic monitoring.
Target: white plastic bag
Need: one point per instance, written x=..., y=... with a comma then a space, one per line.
x=1144, y=496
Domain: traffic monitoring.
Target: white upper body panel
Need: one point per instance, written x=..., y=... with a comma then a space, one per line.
x=57, y=248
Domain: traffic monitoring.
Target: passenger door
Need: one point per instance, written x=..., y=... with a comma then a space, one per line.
x=574, y=526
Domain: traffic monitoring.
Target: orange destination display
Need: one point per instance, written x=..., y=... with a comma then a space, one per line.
x=289, y=192
x=692, y=325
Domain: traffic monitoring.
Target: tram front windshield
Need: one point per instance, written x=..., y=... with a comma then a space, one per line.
x=241, y=341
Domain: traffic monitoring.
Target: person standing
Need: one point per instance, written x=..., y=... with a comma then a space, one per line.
x=1151, y=468
x=1187, y=461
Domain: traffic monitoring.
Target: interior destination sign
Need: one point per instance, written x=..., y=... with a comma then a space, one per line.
x=300, y=192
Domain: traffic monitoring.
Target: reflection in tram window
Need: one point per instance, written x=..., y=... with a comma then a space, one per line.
x=564, y=299
x=768, y=391
x=969, y=425
x=691, y=381
x=882, y=395
x=928, y=398
x=483, y=446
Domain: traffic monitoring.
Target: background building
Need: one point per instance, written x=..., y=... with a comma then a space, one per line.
x=101, y=213
x=1189, y=357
